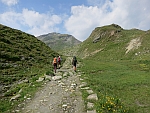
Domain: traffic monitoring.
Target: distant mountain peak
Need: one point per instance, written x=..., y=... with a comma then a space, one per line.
x=57, y=41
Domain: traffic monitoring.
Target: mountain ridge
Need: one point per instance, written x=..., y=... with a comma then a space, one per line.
x=112, y=39
x=58, y=41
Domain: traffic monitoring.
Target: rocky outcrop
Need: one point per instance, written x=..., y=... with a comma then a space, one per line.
x=106, y=34
x=99, y=36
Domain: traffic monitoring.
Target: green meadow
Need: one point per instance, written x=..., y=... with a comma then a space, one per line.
x=121, y=86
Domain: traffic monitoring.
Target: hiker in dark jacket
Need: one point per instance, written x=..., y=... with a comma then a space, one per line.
x=74, y=63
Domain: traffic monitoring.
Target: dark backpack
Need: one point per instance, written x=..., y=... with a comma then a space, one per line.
x=74, y=60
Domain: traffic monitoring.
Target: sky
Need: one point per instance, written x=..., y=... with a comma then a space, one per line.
x=75, y=17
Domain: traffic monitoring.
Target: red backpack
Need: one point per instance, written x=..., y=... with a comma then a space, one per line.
x=59, y=59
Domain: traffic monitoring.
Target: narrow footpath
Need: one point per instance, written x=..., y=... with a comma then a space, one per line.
x=60, y=95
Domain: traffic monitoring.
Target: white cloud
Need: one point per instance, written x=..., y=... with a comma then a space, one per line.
x=11, y=19
x=82, y=21
x=10, y=2
x=31, y=21
x=40, y=23
x=126, y=13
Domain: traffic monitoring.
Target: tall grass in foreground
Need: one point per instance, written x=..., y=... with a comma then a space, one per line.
x=121, y=86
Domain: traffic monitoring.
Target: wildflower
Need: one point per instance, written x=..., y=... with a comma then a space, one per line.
x=111, y=103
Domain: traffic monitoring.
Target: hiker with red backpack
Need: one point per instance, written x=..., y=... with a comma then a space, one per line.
x=74, y=63
x=59, y=62
x=55, y=64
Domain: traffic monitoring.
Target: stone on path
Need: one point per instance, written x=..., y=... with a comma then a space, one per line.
x=65, y=74
x=89, y=91
x=56, y=78
x=79, y=76
x=70, y=73
x=73, y=86
x=48, y=77
x=61, y=70
x=90, y=105
x=58, y=74
x=61, y=84
x=92, y=97
x=40, y=79
x=94, y=111
x=85, y=88
x=64, y=106
x=81, y=79
x=83, y=84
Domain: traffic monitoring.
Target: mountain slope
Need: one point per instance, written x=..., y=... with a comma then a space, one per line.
x=114, y=43
x=58, y=41
x=21, y=50
x=22, y=56
x=116, y=65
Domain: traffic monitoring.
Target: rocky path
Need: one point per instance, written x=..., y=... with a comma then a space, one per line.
x=60, y=95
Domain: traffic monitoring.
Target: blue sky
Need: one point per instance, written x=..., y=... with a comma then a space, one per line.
x=76, y=17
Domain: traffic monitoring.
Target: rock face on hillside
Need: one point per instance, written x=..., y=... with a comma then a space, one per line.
x=107, y=33
x=58, y=41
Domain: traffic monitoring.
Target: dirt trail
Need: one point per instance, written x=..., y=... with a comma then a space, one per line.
x=59, y=95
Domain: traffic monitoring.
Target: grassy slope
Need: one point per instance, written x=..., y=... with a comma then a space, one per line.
x=20, y=51
x=115, y=76
x=22, y=57
x=114, y=45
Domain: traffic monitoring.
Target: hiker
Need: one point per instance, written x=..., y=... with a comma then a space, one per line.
x=59, y=62
x=74, y=63
x=55, y=64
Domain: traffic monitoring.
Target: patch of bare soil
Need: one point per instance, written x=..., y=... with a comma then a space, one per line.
x=134, y=44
